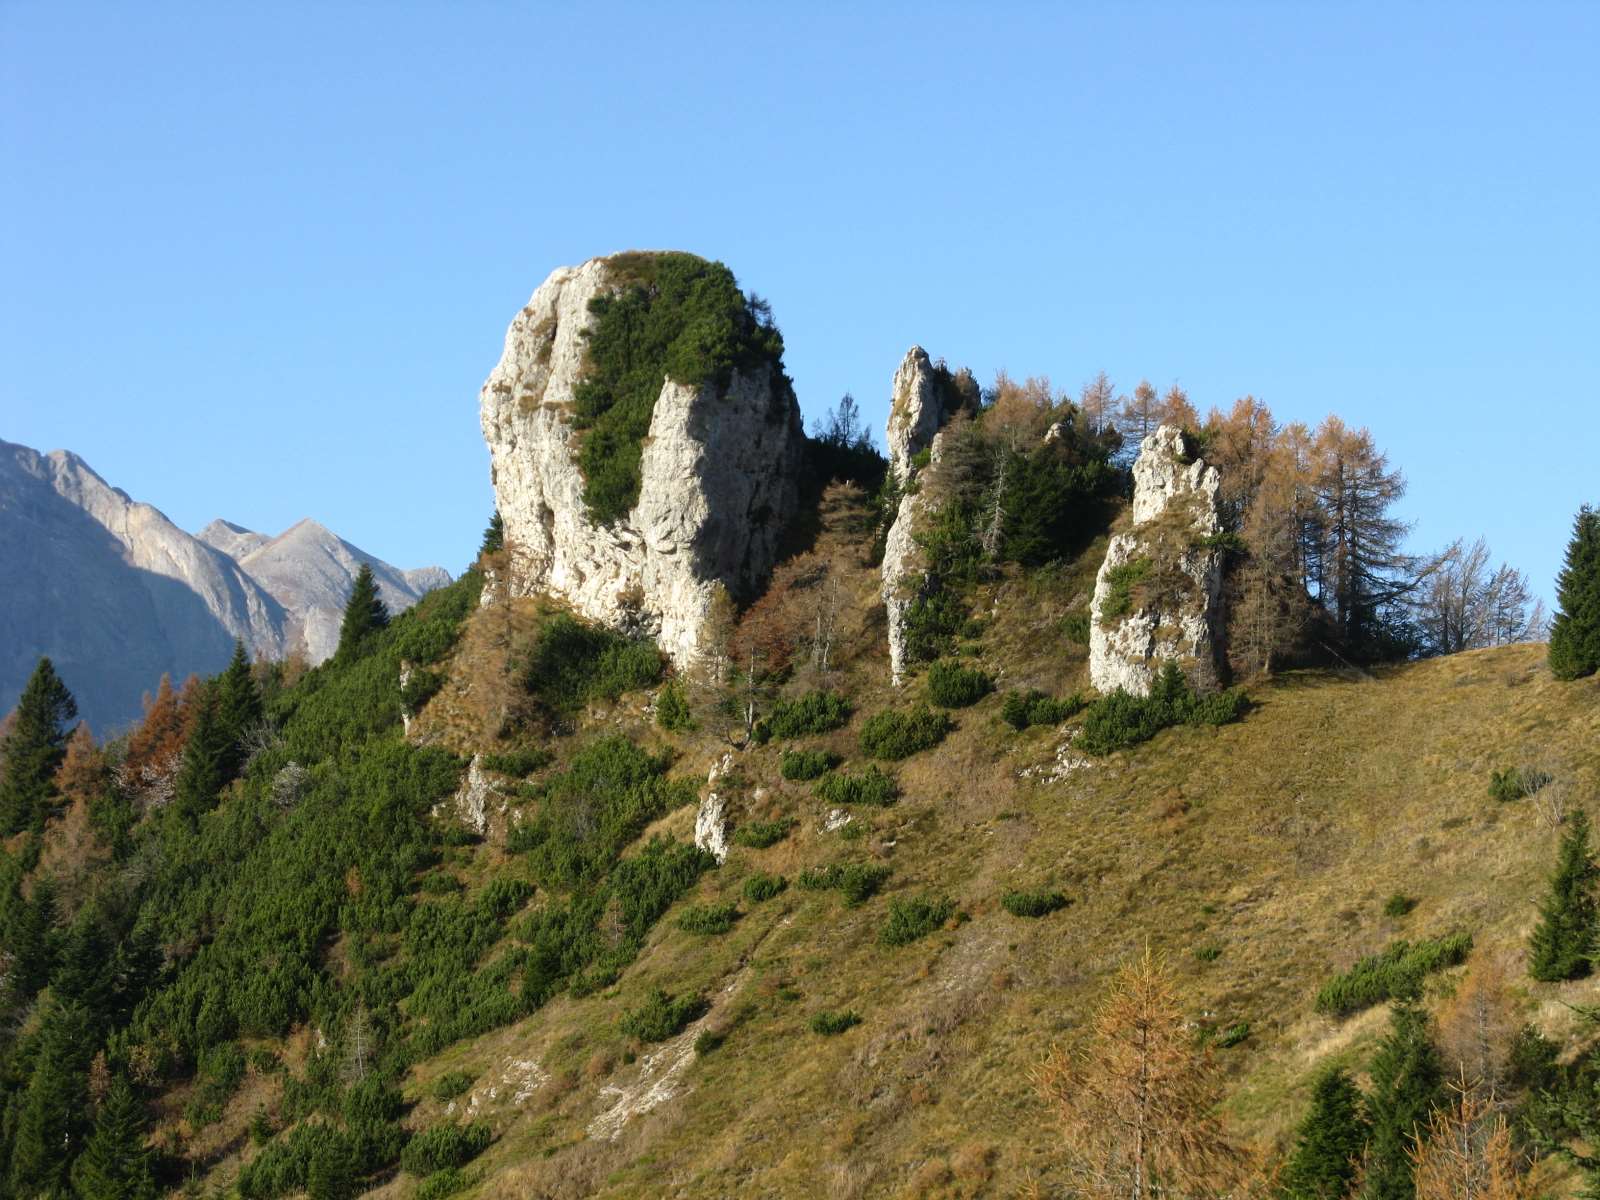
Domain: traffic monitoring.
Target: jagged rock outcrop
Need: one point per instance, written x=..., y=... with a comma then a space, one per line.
x=1158, y=595
x=924, y=398
x=711, y=820
x=718, y=478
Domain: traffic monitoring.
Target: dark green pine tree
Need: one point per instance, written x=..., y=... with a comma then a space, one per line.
x=34, y=749
x=1329, y=1142
x=494, y=537
x=31, y=936
x=1563, y=944
x=1575, y=632
x=238, y=707
x=204, y=771
x=1407, y=1082
x=115, y=1163
x=50, y=1114
x=364, y=614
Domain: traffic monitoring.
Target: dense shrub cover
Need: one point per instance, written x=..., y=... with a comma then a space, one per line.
x=709, y=918
x=1022, y=710
x=814, y=712
x=762, y=886
x=954, y=685
x=443, y=1147
x=1395, y=974
x=572, y=664
x=799, y=765
x=661, y=1016
x=672, y=315
x=1032, y=904
x=857, y=882
x=895, y=734
x=909, y=920
x=871, y=786
x=1121, y=719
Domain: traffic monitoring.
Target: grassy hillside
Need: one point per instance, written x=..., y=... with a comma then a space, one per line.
x=596, y=1009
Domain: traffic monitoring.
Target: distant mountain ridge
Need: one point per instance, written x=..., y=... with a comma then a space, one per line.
x=116, y=594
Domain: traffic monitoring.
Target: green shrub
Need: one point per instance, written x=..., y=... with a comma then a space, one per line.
x=450, y=1085
x=1122, y=719
x=871, y=786
x=707, y=1042
x=831, y=1024
x=420, y=687
x=858, y=882
x=1022, y=710
x=1395, y=974
x=951, y=685
x=932, y=622
x=1398, y=905
x=1232, y=1035
x=762, y=886
x=662, y=1016
x=672, y=709
x=443, y=1183
x=815, y=712
x=1120, y=582
x=805, y=764
x=909, y=920
x=572, y=664
x=1208, y=953
x=1516, y=783
x=1033, y=904
x=894, y=735
x=518, y=763
x=758, y=835
x=673, y=315
x=709, y=918
x=1075, y=626
x=443, y=1147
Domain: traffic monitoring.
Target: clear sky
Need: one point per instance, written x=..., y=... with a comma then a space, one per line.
x=258, y=259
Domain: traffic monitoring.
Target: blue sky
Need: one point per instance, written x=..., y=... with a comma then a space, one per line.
x=258, y=259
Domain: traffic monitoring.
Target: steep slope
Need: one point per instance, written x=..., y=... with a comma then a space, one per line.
x=111, y=589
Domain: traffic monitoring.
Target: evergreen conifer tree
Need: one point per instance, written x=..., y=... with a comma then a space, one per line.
x=115, y=1163
x=1575, y=632
x=1407, y=1081
x=1329, y=1142
x=364, y=613
x=494, y=537
x=204, y=772
x=34, y=749
x=1563, y=944
x=238, y=707
x=50, y=1114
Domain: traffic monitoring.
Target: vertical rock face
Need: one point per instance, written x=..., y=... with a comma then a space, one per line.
x=1158, y=595
x=711, y=819
x=719, y=476
x=924, y=397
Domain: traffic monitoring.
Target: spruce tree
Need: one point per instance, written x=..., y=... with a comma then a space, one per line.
x=115, y=1163
x=238, y=707
x=1575, y=632
x=1329, y=1142
x=494, y=537
x=1407, y=1081
x=34, y=750
x=1563, y=944
x=50, y=1113
x=364, y=613
x=204, y=772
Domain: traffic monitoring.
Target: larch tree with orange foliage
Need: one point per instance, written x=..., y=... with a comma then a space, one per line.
x=1136, y=1103
x=1466, y=1152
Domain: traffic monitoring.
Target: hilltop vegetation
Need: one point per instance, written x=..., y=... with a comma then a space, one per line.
x=275, y=942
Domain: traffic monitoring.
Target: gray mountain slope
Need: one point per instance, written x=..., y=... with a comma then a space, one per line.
x=117, y=595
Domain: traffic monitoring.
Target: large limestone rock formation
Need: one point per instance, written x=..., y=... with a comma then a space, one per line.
x=924, y=398
x=1158, y=595
x=718, y=479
